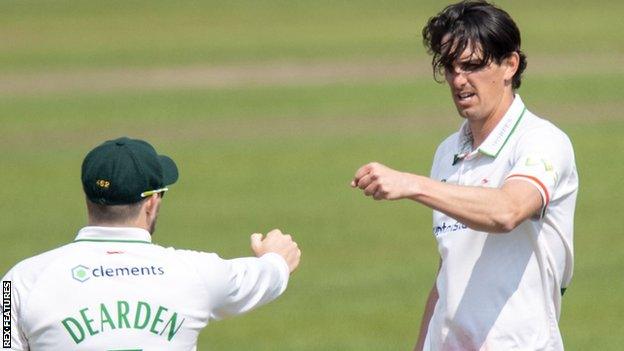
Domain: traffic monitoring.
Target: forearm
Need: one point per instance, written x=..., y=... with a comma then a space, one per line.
x=488, y=209
x=426, y=318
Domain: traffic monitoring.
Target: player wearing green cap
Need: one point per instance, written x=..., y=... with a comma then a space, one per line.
x=113, y=289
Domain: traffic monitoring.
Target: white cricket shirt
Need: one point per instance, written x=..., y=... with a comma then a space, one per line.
x=502, y=291
x=113, y=290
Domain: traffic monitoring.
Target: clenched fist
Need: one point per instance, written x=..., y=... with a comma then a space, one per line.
x=384, y=183
x=279, y=243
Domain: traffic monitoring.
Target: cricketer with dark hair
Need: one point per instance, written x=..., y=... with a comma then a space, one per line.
x=503, y=192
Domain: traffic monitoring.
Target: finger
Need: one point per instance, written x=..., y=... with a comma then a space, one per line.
x=354, y=183
x=256, y=242
x=362, y=171
x=371, y=189
x=379, y=194
x=274, y=232
x=365, y=181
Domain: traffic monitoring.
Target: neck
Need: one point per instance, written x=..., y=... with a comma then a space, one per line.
x=133, y=223
x=481, y=128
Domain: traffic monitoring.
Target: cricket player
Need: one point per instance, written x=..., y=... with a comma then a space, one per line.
x=502, y=189
x=113, y=289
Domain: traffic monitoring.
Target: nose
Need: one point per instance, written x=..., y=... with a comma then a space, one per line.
x=456, y=77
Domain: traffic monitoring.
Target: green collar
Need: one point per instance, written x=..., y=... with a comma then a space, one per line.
x=498, y=137
x=493, y=147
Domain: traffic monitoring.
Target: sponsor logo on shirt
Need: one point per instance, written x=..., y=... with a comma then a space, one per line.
x=533, y=161
x=6, y=314
x=83, y=273
x=444, y=228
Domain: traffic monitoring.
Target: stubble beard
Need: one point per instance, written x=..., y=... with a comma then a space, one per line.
x=152, y=227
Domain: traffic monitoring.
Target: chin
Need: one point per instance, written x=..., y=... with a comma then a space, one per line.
x=471, y=113
x=463, y=112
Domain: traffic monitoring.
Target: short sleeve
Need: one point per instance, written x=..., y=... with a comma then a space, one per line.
x=542, y=157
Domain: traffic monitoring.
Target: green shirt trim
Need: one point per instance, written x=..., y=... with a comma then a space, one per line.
x=508, y=136
x=114, y=241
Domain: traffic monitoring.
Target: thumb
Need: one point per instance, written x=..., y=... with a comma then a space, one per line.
x=256, y=242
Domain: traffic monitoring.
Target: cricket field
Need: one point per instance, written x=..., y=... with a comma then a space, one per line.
x=269, y=107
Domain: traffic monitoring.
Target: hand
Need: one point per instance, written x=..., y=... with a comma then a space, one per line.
x=276, y=242
x=384, y=183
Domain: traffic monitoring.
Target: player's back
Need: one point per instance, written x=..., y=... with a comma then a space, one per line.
x=123, y=293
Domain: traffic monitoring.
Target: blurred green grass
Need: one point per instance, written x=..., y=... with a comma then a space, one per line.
x=67, y=34
x=253, y=158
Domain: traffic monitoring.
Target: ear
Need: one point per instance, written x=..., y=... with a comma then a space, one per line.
x=511, y=64
x=151, y=204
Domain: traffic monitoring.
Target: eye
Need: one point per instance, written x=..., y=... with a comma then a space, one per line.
x=470, y=66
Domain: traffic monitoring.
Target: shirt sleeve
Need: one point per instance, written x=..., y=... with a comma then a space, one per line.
x=11, y=291
x=239, y=285
x=541, y=158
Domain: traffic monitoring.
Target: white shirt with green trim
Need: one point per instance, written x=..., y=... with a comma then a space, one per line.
x=503, y=291
x=113, y=290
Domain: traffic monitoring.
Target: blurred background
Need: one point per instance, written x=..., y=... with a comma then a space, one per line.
x=269, y=107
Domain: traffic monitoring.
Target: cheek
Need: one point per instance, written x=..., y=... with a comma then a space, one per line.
x=489, y=84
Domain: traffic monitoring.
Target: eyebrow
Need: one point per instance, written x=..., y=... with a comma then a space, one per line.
x=471, y=61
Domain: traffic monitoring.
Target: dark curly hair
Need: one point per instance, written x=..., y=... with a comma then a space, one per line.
x=477, y=25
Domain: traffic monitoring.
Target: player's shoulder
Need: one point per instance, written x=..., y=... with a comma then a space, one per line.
x=192, y=257
x=42, y=260
x=28, y=270
x=449, y=144
x=450, y=140
x=536, y=129
x=207, y=267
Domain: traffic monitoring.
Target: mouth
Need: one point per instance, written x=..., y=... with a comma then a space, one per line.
x=464, y=96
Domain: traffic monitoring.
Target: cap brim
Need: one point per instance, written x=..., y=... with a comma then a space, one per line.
x=169, y=168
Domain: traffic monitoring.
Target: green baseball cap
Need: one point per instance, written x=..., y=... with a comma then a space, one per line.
x=125, y=171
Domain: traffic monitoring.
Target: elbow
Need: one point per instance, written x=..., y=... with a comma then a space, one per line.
x=506, y=221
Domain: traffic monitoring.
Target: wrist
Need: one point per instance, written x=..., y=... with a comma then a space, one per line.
x=413, y=187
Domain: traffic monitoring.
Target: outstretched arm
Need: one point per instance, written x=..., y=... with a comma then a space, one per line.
x=248, y=282
x=488, y=209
